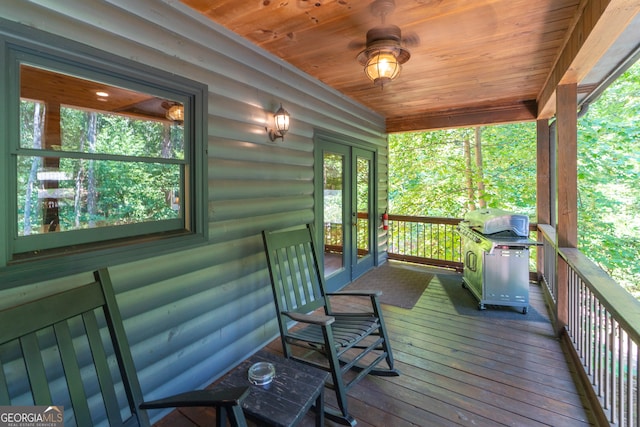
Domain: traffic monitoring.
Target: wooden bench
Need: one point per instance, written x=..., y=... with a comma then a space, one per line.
x=70, y=350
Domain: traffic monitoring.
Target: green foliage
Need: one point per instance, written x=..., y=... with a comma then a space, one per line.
x=333, y=188
x=426, y=173
x=427, y=170
x=509, y=157
x=427, y=176
x=608, y=171
x=97, y=192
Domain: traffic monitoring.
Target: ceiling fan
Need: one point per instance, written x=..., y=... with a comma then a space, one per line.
x=384, y=50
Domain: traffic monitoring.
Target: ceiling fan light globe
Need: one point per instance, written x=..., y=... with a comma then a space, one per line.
x=382, y=67
x=176, y=113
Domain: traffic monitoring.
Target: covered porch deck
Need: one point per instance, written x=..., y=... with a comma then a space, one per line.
x=461, y=366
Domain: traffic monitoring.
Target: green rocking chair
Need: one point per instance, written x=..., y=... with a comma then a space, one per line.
x=69, y=350
x=333, y=341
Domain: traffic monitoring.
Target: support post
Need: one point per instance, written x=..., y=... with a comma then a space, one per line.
x=543, y=189
x=566, y=191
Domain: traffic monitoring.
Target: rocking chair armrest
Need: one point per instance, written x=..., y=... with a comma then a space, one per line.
x=362, y=293
x=225, y=397
x=316, y=319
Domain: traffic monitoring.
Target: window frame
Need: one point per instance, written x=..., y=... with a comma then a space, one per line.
x=22, y=45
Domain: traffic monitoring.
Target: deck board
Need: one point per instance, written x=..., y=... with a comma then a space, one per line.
x=463, y=369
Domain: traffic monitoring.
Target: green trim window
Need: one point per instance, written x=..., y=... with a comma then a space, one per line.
x=102, y=154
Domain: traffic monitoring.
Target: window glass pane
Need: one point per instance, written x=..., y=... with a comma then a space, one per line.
x=69, y=114
x=62, y=194
x=105, y=133
x=87, y=183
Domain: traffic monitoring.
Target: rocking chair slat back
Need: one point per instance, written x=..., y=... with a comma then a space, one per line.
x=60, y=342
x=295, y=272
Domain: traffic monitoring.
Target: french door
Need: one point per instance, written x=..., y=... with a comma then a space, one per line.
x=346, y=211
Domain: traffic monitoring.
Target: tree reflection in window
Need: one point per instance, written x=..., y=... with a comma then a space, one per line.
x=95, y=155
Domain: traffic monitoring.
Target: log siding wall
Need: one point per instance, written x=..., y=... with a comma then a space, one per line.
x=192, y=315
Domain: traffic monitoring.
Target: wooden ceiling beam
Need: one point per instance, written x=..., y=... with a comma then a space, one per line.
x=598, y=26
x=519, y=111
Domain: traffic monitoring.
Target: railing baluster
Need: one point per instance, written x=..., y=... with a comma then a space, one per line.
x=628, y=392
x=617, y=401
x=590, y=330
x=582, y=336
x=613, y=383
x=602, y=388
x=609, y=351
x=576, y=310
x=584, y=319
x=426, y=244
x=597, y=363
x=431, y=240
x=635, y=385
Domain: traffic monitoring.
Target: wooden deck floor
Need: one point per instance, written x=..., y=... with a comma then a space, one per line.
x=460, y=366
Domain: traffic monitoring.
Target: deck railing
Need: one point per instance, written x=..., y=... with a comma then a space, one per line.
x=419, y=239
x=333, y=235
x=603, y=327
x=425, y=240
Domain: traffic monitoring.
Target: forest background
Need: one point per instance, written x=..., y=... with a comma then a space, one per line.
x=442, y=174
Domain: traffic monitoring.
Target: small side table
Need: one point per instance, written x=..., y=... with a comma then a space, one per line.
x=285, y=401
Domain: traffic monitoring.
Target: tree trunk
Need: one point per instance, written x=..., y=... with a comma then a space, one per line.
x=166, y=153
x=480, y=175
x=91, y=179
x=35, y=165
x=469, y=175
x=51, y=138
x=80, y=174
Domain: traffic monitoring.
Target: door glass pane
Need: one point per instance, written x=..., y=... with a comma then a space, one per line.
x=333, y=167
x=362, y=199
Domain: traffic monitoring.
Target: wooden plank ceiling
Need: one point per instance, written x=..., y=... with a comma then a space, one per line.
x=488, y=58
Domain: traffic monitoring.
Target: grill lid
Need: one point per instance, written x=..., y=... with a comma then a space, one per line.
x=491, y=221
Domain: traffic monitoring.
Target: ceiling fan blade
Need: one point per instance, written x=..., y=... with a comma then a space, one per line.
x=356, y=45
x=411, y=39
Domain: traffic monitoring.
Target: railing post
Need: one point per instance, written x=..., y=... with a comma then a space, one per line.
x=562, y=298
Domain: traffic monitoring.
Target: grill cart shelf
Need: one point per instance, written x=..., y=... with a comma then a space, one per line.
x=496, y=264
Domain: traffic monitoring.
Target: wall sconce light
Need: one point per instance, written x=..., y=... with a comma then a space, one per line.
x=281, y=119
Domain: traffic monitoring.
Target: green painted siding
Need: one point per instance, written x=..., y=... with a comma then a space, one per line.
x=192, y=315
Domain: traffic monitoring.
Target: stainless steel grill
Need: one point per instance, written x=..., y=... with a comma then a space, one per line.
x=496, y=257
